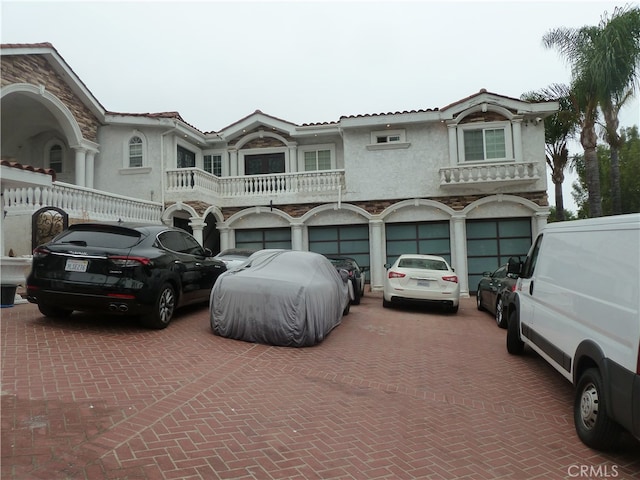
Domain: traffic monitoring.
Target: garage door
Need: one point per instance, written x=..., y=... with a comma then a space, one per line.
x=264, y=238
x=430, y=238
x=490, y=243
x=349, y=241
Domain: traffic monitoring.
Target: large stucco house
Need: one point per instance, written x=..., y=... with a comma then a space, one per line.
x=466, y=181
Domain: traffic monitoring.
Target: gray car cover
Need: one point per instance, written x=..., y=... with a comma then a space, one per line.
x=279, y=297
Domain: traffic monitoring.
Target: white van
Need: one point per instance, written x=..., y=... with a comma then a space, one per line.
x=577, y=304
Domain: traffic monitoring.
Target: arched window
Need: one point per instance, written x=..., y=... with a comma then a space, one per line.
x=55, y=158
x=135, y=152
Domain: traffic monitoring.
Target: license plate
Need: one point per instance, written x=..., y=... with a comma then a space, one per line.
x=74, y=265
x=423, y=283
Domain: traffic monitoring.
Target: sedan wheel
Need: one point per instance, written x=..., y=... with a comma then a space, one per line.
x=479, y=301
x=356, y=293
x=163, y=309
x=500, y=320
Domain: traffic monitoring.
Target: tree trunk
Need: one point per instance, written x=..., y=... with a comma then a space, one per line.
x=559, y=203
x=588, y=140
x=612, y=122
x=557, y=162
x=616, y=198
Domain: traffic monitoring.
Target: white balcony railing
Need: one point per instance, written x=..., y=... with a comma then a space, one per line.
x=81, y=202
x=488, y=173
x=190, y=179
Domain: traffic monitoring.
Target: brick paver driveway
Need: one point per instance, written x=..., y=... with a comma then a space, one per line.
x=393, y=394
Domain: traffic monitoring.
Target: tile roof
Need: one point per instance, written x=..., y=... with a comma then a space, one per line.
x=29, y=168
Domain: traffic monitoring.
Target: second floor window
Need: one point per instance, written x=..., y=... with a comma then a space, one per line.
x=135, y=152
x=55, y=158
x=317, y=160
x=486, y=144
x=213, y=164
x=186, y=158
x=264, y=163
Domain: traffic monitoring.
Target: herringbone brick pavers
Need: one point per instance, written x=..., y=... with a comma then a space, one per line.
x=389, y=394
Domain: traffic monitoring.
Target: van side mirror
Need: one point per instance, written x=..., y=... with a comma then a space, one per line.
x=514, y=265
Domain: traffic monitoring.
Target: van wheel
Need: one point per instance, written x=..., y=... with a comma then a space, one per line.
x=593, y=425
x=515, y=345
x=163, y=309
x=500, y=320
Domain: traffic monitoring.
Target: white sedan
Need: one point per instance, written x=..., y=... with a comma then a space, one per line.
x=421, y=278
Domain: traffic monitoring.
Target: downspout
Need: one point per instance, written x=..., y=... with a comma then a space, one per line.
x=162, y=169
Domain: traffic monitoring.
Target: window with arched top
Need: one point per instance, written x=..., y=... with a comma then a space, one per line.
x=55, y=158
x=135, y=152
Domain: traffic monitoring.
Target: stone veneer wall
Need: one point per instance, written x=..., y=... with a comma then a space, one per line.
x=374, y=207
x=35, y=70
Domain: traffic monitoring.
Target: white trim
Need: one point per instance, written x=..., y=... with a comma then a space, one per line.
x=126, y=152
x=64, y=166
x=316, y=148
x=260, y=151
x=508, y=140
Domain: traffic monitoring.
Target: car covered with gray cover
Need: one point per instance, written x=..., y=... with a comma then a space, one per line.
x=280, y=297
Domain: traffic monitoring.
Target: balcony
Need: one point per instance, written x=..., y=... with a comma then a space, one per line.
x=487, y=176
x=80, y=202
x=186, y=184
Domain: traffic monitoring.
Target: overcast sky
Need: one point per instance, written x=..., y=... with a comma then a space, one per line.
x=305, y=62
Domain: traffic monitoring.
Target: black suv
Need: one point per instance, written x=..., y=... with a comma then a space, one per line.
x=122, y=268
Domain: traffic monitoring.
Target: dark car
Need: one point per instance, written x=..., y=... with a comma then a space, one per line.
x=356, y=274
x=124, y=269
x=493, y=290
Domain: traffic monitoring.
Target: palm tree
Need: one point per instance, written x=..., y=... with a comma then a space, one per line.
x=559, y=128
x=615, y=60
x=604, y=61
x=610, y=110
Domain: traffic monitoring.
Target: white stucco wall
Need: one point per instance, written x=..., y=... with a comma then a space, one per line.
x=395, y=172
x=111, y=173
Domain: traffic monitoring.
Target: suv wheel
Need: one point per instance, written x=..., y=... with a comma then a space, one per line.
x=163, y=308
x=593, y=425
x=53, y=312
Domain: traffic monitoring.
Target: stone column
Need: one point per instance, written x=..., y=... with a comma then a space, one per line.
x=198, y=224
x=90, y=169
x=517, y=140
x=377, y=254
x=459, y=252
x=80, y=166
x=453, y=145
x=540, y=222
x=293, y=157
x=233, y=162
x=296, y=236
x=225, y=241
